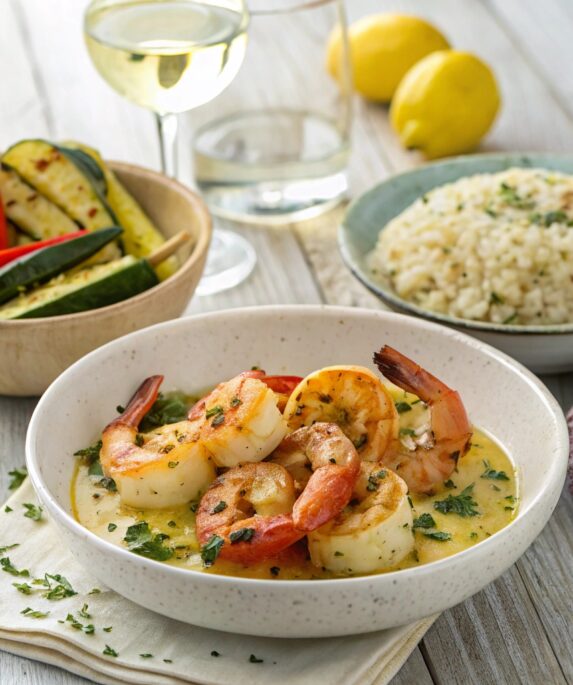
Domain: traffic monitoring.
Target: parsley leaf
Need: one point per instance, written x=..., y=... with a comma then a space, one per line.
x=90, y=454
x=8, y=567
x=241, y=535
x=439, y=535
x=170, y=407
x=463, y=504
x=108, y=651
x=492, y=474
x=424, y=521
x=219, y=507
x=7, y=547
x=33, y=512
x=34, y=614
x=61, y=589
x=402, y=407
x=210, y=550
x=18, y=476
x=253, y=660
x=140, y=540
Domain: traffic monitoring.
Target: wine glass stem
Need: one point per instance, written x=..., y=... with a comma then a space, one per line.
x=167, y=129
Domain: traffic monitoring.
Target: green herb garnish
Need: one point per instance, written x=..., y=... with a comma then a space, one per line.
x=215, y=653
x=24, y=588
x=214, y=411
x=407, y=431
x=439, y=535
x=146, y=656
x=58, y=586
x=91, y=453
x=402, y=407
x=210, y=550
x=7, y=547
x=34, y=614
x=8, y=567
x=18, y=476
x=450, y=484
x=253, y=660
x=108, y=651
x=219, y=507
x=140, y=540
x=424, y=521
x=463, y=504
x=33, y=511
x=491, y=473
x=241, y=535
x=111, y=527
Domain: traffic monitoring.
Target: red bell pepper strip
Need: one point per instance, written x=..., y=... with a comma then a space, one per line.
x=3, y=227
x=12, y=253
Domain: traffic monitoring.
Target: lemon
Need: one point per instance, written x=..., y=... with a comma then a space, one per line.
x=383, y=47
x=445, y=104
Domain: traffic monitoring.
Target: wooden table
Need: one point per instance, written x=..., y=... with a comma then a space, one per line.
x=519, y=629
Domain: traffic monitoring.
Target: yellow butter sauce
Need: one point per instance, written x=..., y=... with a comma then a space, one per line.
x=101, y=511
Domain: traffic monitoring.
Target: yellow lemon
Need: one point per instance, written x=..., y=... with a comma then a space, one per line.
x=382, y=48
x=445, y=104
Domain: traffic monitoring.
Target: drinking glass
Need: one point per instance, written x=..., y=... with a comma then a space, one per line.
x=171, y=56
x=274, y=147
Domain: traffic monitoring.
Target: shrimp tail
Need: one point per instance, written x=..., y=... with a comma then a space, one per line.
x=139, y=404
x=406, y=374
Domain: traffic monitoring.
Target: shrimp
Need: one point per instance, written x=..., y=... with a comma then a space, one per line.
x=373, y=533
x=335, y=465
x=426, y=465
x=164, y=468
x=240, y=421
x=249, y=508
x=353, y=398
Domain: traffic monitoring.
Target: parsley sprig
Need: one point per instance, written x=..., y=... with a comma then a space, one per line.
x=463, y=504
x=140, y=540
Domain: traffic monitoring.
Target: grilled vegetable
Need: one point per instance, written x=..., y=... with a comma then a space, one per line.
x=140, y=237
x=10, y=254
x=30, y=211
x=3, y=227
x=90, y=288
x=57, y=176
x=48, y=262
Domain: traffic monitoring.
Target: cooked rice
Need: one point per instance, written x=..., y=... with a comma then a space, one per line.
x=490, y=247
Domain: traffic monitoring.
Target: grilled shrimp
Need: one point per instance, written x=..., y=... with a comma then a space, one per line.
x=240, y=420
x=373, y=533
x=330, y=464
x=433, y=458
x=164, y=468
x=249, y=507
x=351, y=397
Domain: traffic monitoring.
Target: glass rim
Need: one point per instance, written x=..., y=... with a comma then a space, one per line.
x=295, y=7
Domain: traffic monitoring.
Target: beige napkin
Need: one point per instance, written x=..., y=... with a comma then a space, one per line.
x=181, y=653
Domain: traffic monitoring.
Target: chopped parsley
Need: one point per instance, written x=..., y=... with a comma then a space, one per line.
x=146, y=656
x=373, y=479
x=338, y=554
x=463, y=504
x=210, y=550
x=241, y=535
x=34, y=614
x=235, y=402
x=108, y=484
x=108, y=629
x=495, y=298
x=170, y=407
x=88, y=628
x=402, y=407
x=424, y=521
x=450, y=484
x=24, y=588
x=139, y=440
x=173, y=464
x=407, y=431
x=108, y=651
x=18, y=476
x=140, y=540
x=215, y=653
x=439, y=535
x=218, y=420
x=7, y=547
x=90, y=454
x=492, y=474
x=111, y=527
x=275, y=570
x=33, y=511
x=253, y=660
x=555, y=217
x=510, y=196
x=8, y=567
x=219, y=507
x=214, y=411
x=58, y=586
x=8, y=509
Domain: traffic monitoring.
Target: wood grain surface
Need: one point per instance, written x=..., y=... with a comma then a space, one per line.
x=519, y=629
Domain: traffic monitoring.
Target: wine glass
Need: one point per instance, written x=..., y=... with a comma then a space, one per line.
x=171, y=56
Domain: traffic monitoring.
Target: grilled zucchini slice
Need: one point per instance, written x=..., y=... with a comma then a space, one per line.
x=140, y=237
x=38, y=267
x=78, y=291
x=31, y=212
x=55, y=174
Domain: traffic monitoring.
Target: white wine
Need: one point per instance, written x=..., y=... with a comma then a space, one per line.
x=167, y=55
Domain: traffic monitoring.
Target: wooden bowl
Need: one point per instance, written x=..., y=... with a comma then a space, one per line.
x=33, y=352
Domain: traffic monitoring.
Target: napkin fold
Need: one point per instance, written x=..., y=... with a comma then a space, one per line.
x=175, y=653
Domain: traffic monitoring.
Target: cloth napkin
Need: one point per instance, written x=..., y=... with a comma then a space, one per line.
x=177, y=653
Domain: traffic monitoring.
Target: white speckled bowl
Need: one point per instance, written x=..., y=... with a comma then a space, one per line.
x=501, y=396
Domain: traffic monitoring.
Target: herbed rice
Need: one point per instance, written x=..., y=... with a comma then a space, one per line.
x=491, y=247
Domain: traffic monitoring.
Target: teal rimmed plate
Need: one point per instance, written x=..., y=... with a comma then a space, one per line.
x=544, y=349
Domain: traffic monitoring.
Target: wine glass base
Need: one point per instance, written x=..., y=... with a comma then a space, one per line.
x=230, y=261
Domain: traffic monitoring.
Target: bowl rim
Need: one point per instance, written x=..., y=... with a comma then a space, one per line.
x=199, y=247
x=555, y=475
x=387, y=295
